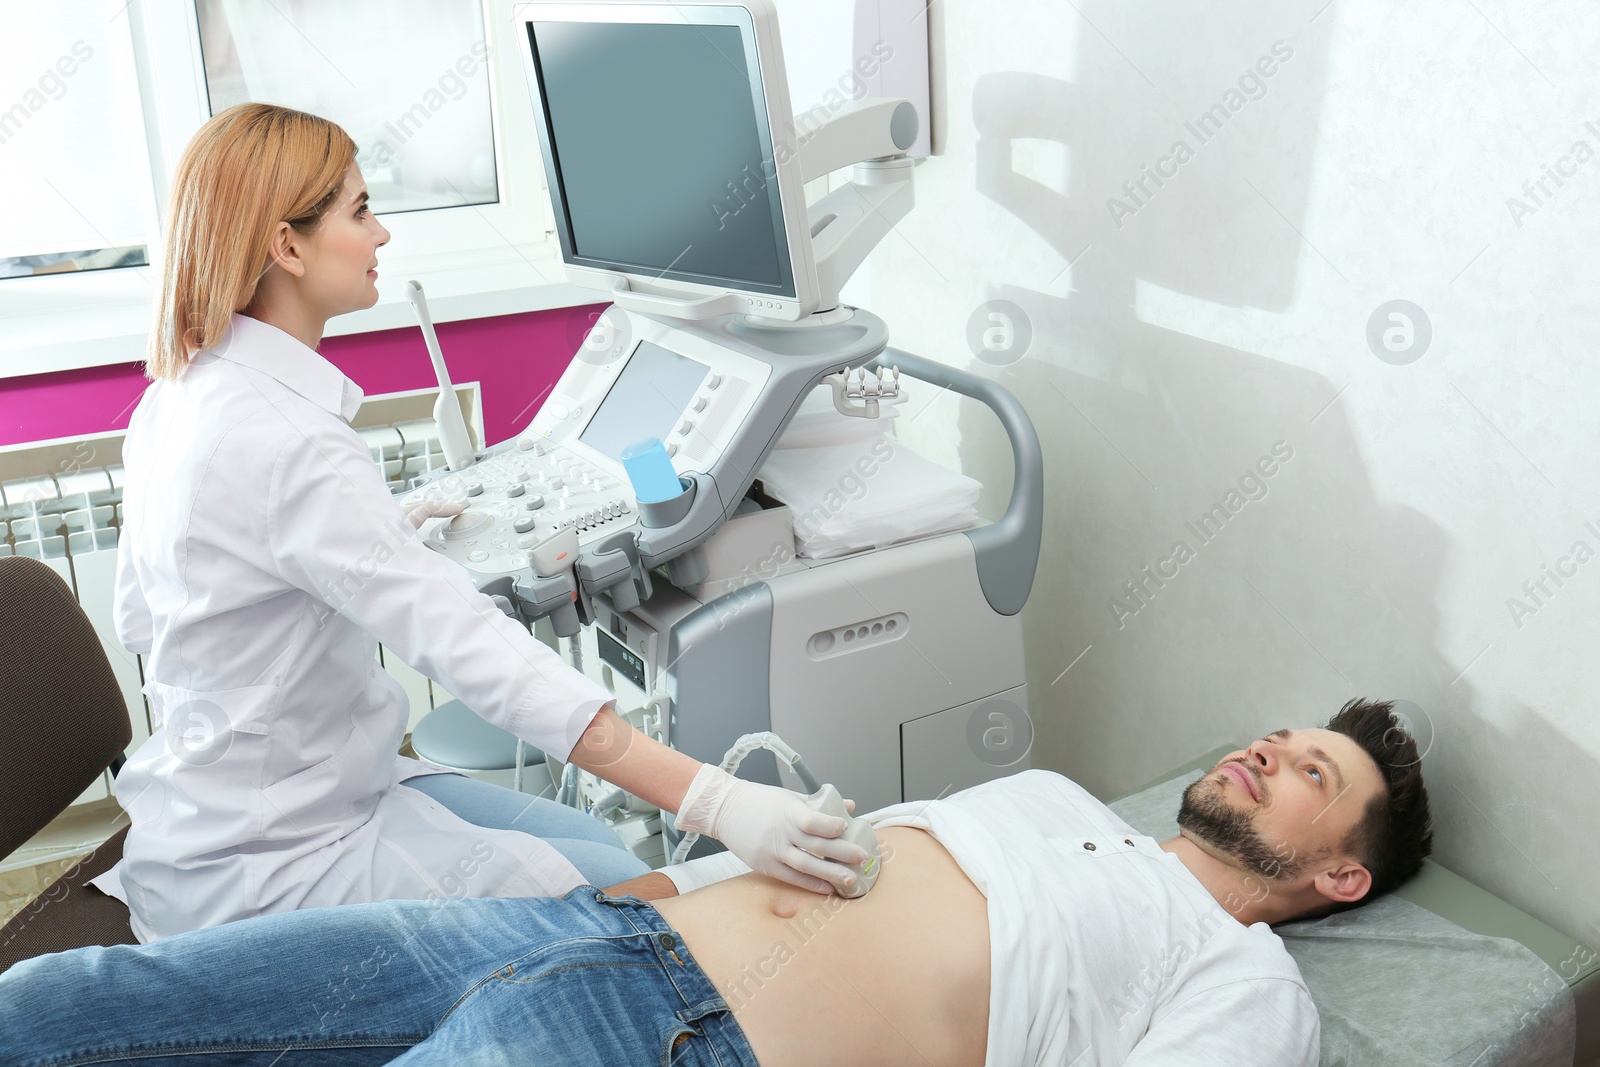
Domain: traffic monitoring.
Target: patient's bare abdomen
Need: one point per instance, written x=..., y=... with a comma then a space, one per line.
x=900, y=976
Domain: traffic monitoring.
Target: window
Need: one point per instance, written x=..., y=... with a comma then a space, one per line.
x=71, y=139
x=409, y=81
x=432, y=91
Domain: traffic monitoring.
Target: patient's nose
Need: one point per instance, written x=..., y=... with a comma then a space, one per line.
x=1264, y=754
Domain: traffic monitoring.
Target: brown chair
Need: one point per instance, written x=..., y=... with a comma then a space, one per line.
x=63, y=721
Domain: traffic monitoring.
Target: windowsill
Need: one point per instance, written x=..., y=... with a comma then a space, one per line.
x=66, y=322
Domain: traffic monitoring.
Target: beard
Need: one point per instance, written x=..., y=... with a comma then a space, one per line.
x=1233, y=833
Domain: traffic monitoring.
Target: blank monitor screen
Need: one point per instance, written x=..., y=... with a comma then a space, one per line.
x=646, y=400
x=661, y=151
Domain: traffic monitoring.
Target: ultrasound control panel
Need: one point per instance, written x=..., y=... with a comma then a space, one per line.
x=633, y=378
x=556, y=501
x=517, y=499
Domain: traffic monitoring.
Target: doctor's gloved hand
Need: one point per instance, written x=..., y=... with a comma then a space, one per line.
x=773, y=830
x=428, y=509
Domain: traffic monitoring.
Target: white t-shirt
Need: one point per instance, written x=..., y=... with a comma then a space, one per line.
x=1104, y=949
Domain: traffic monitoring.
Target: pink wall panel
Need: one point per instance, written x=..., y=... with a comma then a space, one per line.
x=516, y=357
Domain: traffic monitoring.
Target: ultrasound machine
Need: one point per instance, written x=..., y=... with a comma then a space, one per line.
x=676, y=168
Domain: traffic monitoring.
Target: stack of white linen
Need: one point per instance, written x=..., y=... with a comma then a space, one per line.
x=852, y=485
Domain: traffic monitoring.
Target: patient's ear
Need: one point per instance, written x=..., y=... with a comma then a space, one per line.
x=1344, y=883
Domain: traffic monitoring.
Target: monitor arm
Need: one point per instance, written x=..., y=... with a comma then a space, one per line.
x=847, y=223
x=870, y=128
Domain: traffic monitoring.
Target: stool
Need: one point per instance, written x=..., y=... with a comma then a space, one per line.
x=454, y=736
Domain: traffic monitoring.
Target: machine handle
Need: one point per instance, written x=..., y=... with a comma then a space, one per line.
x=1007, y=550
x=707, y=307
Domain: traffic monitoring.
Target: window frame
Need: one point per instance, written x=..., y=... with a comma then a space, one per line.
x=474, y=261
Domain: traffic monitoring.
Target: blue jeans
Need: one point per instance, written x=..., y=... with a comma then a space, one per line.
x=581, y=979
x=587, y=843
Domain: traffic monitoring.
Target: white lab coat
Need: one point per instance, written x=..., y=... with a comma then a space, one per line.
x=262, y=559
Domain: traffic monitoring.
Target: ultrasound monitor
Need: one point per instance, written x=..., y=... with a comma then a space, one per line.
x=670, y=155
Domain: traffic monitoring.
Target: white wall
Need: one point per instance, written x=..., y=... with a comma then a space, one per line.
x=1228, y=313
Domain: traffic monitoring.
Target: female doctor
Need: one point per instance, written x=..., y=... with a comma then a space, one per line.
x=262, y=560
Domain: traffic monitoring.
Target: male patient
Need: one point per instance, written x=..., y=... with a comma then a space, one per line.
x=1018, y=922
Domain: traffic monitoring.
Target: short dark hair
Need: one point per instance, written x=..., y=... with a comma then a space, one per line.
x=1395, y=834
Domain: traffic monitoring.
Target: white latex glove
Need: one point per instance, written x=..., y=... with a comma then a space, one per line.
x=772, y=830
x=428, y=509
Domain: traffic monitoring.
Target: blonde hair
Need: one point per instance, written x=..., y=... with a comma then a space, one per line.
x=247, y=169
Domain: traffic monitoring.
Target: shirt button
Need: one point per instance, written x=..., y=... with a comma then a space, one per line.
x=1089, y=845
x=668, y=942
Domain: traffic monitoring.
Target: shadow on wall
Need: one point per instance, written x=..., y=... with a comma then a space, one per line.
x=1225, y=545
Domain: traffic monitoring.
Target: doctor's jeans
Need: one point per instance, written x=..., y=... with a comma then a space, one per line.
x=584, y=979
x=587, y=843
